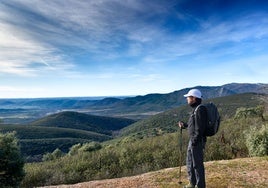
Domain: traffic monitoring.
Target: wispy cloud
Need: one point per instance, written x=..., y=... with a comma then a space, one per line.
x=134, y=27
x=24, y=52
x=87, y=23
x=214, y=38
x=115, y=39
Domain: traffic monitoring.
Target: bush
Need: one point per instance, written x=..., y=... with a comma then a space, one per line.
x=56, y=154
x=11, y=161
x=254, y=112
x=74, y=149
x=86, y=147
x=257, y=141
x=89, y=147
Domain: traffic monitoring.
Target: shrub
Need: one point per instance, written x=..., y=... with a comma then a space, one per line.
x=250, y=112
x=88, y=147
x=74, y=149
x=257, y=141
x=56, y=154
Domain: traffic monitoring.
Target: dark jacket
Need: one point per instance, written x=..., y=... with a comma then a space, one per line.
x=197, y=124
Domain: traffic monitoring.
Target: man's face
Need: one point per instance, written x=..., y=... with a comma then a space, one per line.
x=190, y=100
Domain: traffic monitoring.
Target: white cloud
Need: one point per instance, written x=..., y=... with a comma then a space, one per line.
x=25, y=56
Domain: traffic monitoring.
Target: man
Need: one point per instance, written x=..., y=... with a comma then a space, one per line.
x=196, y=128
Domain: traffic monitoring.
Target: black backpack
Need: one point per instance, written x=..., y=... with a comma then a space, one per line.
x=213, y=119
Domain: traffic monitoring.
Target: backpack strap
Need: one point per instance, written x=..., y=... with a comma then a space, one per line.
x=194, y=113
x=197, y=108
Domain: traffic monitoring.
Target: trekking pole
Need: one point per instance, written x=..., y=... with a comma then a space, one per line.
x=180, y=182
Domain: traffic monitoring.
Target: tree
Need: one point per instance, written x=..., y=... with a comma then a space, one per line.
x=11, y=161
x=56, y=154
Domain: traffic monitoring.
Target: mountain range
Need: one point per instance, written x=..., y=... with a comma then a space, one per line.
x=137, y=107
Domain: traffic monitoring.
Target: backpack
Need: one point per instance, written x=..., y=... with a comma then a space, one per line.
x=213, y=124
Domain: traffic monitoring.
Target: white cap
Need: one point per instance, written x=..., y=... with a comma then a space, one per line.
x=194, y=93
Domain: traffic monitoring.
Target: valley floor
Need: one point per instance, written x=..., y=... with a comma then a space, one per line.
x=244, y=172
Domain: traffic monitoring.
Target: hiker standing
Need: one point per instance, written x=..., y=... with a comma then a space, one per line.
x=196, y=127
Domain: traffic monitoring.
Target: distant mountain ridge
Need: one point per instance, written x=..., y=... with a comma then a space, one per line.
x=137, y=107
x=173, y=98
x=161, y=102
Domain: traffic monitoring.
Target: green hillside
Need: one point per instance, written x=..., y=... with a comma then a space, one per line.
x=35, y=132
x=37, y=140
x=81, y=121
x=63, y=130
x=34, y=149
x=166, y=121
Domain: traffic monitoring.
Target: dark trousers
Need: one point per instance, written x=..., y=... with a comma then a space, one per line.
x=195, y=165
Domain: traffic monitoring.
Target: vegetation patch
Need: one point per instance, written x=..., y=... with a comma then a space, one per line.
x=236, y=173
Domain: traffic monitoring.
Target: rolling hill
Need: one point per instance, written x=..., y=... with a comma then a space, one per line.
x=37, y=140
x=63, y=130
x=81, y=121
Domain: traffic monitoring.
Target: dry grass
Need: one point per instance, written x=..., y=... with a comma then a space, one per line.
x=245, y=172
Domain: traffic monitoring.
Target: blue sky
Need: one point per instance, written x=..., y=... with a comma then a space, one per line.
x=61, y=48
